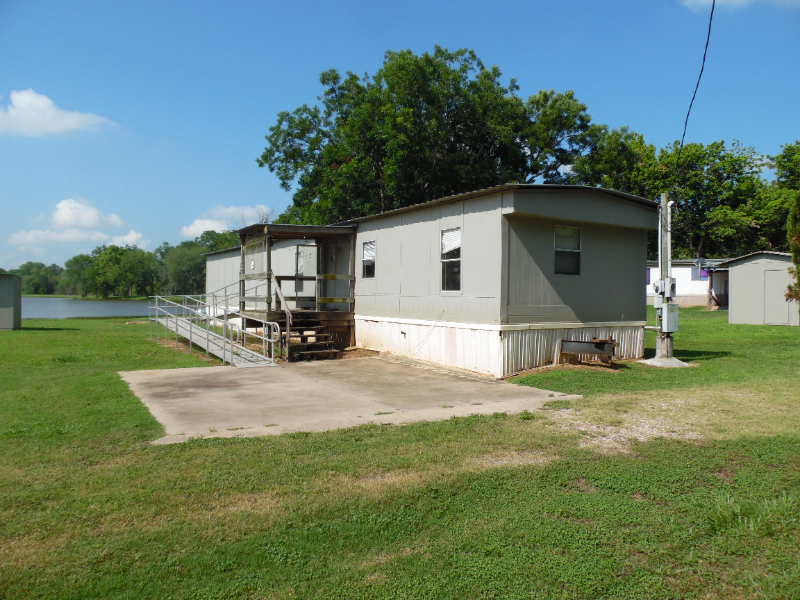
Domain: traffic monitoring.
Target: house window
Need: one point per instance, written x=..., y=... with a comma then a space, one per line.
x=451, y=260
x=568, y=250
x=699, y=274
x=368, y=260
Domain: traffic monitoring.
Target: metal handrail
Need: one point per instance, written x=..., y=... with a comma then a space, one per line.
x=202, y=312
x=286, y=311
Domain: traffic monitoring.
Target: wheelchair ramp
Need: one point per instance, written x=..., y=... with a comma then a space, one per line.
x=215, y=344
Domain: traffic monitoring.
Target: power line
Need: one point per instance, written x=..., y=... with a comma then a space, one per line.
x=699, y=77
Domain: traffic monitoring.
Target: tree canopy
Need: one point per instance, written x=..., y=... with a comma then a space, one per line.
x=128, y=271
x=787, y=172
x=437, y=124
x=423, y=127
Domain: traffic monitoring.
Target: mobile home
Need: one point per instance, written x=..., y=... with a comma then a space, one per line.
x=490, y=281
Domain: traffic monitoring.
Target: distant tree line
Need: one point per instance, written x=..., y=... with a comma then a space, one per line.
x=130, y=271
x=434, y=125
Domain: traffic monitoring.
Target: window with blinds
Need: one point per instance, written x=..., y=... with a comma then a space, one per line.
x=368, y=260
x=567, y=250
x=451, y=260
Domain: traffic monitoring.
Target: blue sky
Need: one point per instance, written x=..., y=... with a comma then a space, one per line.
x=140, y=122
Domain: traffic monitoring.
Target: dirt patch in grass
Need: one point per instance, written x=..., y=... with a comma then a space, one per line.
x=513, y=458
x=616, y=434
x=254, y=503
x=589, y=366
x=378, y=480
x=579, y=521
x=381, y=559
x=355, y=352
x=724, y=475
x=183, y=346
x=26, y=552
x=585, y=486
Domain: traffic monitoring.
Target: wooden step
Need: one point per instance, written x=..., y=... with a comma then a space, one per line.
x=303, y=346
x=314, y=334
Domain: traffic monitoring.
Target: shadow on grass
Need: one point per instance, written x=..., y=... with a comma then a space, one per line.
x=690, y=354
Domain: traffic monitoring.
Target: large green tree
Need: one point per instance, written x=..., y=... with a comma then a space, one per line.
x=38, y=278
x=787, y=166
x=213, y=240
x=721, y=204
x=79, y=275
x=793, y=226
x=125, y=272
x=422, y=127
x=185, y=267
x=787, y=172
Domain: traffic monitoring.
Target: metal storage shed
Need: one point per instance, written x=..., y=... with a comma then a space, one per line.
x=10, y=302
x=757, y=284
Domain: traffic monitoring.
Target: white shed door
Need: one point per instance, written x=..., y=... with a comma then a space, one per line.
x=776, y=308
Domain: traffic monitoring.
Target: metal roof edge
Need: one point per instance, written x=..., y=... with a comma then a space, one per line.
x=496, y=190
x=770, y=252
x=685, y=262
x=223, y=250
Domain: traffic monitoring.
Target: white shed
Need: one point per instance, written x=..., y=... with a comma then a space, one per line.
x=758, y=284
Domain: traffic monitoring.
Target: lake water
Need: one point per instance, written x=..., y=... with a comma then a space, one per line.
x=69, y=308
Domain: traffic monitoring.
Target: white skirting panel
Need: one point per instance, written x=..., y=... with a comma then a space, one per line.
x=529, y=348
x=492, y=349
x=475, y=349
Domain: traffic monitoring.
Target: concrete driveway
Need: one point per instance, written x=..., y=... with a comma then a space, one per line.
x=317, y=396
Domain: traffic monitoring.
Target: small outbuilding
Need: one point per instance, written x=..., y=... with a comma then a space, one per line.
x=10, y=302
x=758, y=284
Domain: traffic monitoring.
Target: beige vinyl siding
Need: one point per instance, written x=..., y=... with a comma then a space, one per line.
x=610, y=287
x=407, y=282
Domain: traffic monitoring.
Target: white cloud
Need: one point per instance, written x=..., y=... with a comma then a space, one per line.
x=201, y=225
x=222, y=218
x=75, y=220
x=132, y=238
x=79, y=213
x=703, y=4
x=31, y=114
x=39, y=237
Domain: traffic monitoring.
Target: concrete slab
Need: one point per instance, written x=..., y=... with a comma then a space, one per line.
x=317, y=396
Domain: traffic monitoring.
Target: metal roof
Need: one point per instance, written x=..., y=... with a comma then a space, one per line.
x=499, y=189
x=770, y=252
x=223, y=250
x=693, y=262
x=288, y=232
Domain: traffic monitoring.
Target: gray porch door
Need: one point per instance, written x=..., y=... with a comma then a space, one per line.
x=776, y=308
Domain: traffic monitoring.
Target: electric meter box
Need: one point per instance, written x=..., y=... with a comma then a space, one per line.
x=669, y=317
x=669, y=287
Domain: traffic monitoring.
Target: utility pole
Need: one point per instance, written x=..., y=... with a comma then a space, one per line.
x=666, y=308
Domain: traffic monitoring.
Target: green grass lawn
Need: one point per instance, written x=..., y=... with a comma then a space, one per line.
x=658, y=484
